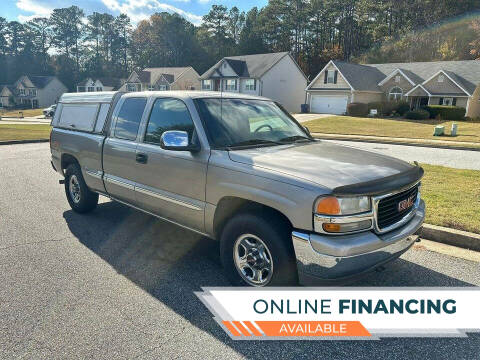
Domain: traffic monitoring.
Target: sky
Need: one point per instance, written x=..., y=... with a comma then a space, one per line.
x=192, y=10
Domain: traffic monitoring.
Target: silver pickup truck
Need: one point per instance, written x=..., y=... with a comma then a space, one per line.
x=284, y=206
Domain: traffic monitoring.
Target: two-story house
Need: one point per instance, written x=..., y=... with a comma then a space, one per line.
x=7, y=98
x=99, y=84
x=37, y=91
x=418, y=83
x=276, y=76
x=163, y=78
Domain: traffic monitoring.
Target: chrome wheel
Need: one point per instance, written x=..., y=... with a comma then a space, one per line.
x=74, y=189
x=253, y=260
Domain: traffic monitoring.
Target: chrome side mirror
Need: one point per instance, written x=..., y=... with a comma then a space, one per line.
x=177, y=141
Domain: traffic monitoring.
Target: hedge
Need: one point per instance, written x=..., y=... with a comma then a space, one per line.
x=357, y=109
x=386, y=108
x=417, y=115
x=446, y=112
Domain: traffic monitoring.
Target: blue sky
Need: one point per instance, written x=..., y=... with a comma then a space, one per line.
x=193, y=10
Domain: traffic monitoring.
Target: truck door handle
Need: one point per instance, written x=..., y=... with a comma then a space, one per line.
x=141, y=158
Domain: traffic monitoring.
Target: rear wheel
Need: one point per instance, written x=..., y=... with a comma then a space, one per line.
x=79, y=196
x=257, y=252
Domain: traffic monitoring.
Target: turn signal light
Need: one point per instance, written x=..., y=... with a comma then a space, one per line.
x=328, y=206
x=333, y=228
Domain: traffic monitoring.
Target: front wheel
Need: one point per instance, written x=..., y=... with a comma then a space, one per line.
x=257, y=252
x=79, y=196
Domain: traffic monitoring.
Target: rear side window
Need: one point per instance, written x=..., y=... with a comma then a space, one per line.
x=168, y=114
x=129, y=118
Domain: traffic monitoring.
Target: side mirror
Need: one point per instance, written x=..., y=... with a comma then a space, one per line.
x=177, y=141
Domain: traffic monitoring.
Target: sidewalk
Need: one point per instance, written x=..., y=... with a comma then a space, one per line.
x=460, y=145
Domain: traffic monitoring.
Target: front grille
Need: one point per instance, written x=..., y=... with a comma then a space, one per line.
x=388, y=212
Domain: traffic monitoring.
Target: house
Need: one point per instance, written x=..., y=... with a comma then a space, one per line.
x=163, y=78
x=7, y=96
x=98, y=84
x=418, y=83
x=37, y=91
x=275, y=75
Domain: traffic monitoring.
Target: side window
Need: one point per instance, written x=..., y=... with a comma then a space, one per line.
x=129, y=118
x=168, y=114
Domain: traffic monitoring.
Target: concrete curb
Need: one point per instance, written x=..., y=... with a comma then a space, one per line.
x=462, y=239
x=392, y=142
x=15, y=142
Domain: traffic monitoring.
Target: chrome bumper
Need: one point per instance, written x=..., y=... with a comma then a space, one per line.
x=337, y=257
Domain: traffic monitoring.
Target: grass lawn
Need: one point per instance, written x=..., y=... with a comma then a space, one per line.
x=26, y=113
x=414, y=129
x=24, y=131
x=452, y=197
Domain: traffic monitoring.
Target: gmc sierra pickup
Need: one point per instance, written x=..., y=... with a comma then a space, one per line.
x=284, y=206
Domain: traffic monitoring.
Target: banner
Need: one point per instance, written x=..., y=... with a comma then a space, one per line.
x=343, y=313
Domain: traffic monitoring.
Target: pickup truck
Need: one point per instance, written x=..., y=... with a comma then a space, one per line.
x=286, y=207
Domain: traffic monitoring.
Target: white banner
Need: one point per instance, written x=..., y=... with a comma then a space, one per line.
x=321, y=313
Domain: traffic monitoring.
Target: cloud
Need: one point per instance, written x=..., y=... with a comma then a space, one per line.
x=141, y=9
x=31, y=6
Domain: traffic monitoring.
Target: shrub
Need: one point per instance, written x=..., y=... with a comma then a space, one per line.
x=357, y=109
x=402, y=108
x=385, y=108
x=417, y=115
x=446, y=112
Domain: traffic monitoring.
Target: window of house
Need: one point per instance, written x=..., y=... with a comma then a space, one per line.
x=162, y=87
x=206, y=84
x=131, y=87
x=441, y=78
x=330, y=77
x=91, y=88
x=448, y=101
x=395, y=94
x=80, y=88
x=231, y=85
x=224, y=65
x=397, y=78
x=21, y=91
x=129, y=117
x=32, y=92
x=151, y=87
x=167, y=115
x=250, y=84
x=99, y=88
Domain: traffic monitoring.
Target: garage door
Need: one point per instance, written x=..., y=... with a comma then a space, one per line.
x=328, y=104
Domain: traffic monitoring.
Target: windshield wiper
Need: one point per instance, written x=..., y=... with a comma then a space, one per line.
x=295, y=138
x=253, y=142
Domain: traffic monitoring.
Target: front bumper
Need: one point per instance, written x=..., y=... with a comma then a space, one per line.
x=329, y=257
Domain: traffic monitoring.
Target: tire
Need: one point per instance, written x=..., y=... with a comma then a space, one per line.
x=247, y=229
x=86, y=200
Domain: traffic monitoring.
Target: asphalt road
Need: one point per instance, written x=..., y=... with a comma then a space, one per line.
x=460, y=159
x=119, y=284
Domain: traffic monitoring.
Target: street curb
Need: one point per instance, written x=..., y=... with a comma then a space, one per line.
x=393, y=142
x=16, y=142
x=458, y=238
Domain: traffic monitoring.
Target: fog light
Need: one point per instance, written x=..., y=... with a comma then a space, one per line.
x=347, y=227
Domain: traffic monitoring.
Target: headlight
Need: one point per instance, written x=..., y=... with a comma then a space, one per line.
x=332, y=205
x=337, y=215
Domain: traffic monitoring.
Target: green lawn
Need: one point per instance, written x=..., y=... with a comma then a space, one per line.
x=452, y=197
x=413, y=129
x=24, y=131
x=26, y=113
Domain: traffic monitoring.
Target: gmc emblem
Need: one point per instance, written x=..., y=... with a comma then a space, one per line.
x=406, y=204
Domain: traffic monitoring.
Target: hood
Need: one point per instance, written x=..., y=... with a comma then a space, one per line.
x=323, y=163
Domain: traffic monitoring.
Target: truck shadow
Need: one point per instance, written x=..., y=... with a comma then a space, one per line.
x=171, y=263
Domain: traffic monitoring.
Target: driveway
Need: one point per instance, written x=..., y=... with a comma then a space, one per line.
x=460, y=159
x=118, y=284
x=307, y=117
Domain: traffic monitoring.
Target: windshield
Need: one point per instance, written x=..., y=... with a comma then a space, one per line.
x=243, y=122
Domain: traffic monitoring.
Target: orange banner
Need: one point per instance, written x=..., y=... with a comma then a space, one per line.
x=297, y=328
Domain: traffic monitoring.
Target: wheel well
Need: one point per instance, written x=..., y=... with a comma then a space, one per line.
x=68, y=159
x=229, y=206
